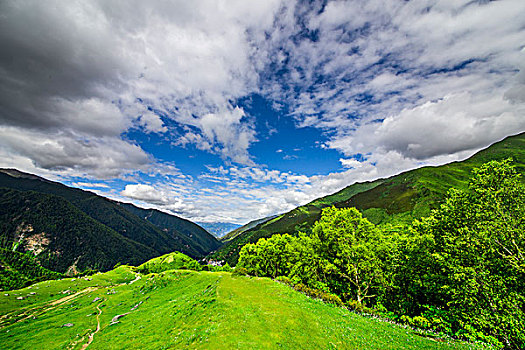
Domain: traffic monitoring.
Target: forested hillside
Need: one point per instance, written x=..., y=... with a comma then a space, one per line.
x=18, y=270
x=398, y=199
x=191, y=235
x=70, y=230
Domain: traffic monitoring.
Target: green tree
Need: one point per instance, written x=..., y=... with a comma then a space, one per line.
x=474, y=257
x=353, y=253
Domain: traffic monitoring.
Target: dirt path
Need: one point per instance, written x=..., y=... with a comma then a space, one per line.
x=92, y=335
x=39, y=310
x=137, y=277
x=70, y=297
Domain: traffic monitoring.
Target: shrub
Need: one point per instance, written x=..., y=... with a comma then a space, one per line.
x=285, y=280
x=240, y=271
x=319, y=294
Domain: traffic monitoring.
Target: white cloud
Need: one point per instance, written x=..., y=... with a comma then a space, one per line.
x=402, y=83
x=69, y=153
x=90, y=185
x=456, y=123
x=389, y=76
x=94, y=69
x=152, y=123
x=145, y=193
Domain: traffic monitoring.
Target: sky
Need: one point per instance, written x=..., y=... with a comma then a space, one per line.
x=234, y=110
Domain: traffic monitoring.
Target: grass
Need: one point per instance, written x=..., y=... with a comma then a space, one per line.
x=181, y=309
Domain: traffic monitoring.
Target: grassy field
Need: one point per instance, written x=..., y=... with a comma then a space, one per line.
x=181, y=309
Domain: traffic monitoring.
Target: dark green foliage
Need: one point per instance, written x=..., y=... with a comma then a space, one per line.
x=345, y=254
x=72, y=230
x=18, y=270
x=396, y=200
x=62, y=236
x=197, y=239
x=469, y=258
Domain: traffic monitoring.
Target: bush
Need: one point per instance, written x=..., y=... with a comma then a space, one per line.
x=240, y=271
x=285, y=280
x=319, y=294
x=354, y=305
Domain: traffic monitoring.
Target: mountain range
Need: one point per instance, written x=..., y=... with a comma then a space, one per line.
x=395, y=200
x=71, y=230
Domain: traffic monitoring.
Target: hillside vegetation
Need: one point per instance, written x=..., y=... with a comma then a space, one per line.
x=395, y=200
x=181, y=309
x=70, y=230
x=461, y=270
x=18, y=270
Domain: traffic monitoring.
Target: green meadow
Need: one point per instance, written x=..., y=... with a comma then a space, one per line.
x=183, y=309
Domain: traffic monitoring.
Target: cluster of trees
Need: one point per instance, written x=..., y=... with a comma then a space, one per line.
x=460, y=271
x=18, y=270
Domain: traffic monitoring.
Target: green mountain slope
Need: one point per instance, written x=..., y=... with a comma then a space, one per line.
x=398, y=199
x=85, y=230
x=191, y=234
x=122, y=309
x=61, y=236
x=234, y=233
x=18, y=270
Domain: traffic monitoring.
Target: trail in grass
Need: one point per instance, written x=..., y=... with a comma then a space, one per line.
x=92, y=335
x=197, y=310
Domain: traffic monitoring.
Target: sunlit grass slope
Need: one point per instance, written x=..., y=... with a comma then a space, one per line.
x=180, y=309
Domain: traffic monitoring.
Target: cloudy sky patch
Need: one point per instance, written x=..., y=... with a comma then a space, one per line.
x=233, y=110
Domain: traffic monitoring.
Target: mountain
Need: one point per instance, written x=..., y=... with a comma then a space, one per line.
x=68, y=229
x=232, y=234
x=182, y=309
x=397, y=199
x=219, y=229
x=193, y=235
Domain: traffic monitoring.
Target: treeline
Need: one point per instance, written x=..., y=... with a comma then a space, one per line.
x=19, y=270
x=460, y=271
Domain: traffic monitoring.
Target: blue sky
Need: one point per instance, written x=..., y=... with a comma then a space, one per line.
x=235, y=110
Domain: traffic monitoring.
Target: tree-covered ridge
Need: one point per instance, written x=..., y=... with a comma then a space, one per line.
x=70, y=230
x=396, y=200
x=460, y=270
x=118, y=217
x=190, y=234
x=62, y=237
x=19, y=270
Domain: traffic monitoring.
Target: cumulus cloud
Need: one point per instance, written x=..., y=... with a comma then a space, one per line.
x=145, y=193
x=453, y=124
x=403, y=84
x=66, y=152
x=223, y=133
x=97, y=69
x=152, y=123
x=380, y=74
